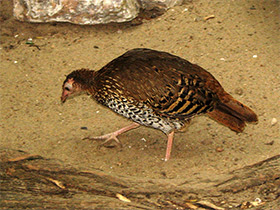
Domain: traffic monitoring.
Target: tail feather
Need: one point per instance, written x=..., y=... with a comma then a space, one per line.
x=233, y=114
x=228, y=120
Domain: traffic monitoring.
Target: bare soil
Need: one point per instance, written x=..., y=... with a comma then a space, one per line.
x=239, y=46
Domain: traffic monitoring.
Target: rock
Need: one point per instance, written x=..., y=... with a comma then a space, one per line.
x=151, y=4
x=273, y=121
x=269, y=143
x=219, y=149
x=85, y=12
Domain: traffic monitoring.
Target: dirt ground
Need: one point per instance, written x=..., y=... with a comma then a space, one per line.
x=240, y=47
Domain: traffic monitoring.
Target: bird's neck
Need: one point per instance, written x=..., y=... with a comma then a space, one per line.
x=85, y=79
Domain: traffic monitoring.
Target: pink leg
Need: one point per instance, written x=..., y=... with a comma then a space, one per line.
x=113, y=136
x=170, y=138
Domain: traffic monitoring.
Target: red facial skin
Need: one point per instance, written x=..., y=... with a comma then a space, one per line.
x=68, y=89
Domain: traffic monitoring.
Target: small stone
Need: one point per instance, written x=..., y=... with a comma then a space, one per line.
x=163, y=173
x=273, y=121
x=143, y=139
x=219, y=149
x=269, y=143
x=252, y=7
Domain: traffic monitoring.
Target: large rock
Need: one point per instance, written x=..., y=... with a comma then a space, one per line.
x=84, y=12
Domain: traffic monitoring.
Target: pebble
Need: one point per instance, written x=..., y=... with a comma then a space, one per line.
x=273, y=121
x=269, y=143
x=252, y=7
x=219, y=149
x=143, y=139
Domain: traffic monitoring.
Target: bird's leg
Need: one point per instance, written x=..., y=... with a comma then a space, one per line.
x=113, y=136
x=170, y=138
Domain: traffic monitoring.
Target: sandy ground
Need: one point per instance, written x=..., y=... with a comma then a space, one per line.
x=240, y=47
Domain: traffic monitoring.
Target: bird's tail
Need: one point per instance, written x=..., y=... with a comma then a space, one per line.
x=233, y=114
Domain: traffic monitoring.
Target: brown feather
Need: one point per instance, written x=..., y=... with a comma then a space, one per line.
x=238, y=110
x=233, y=114
x=228, y=120
x=162, y=80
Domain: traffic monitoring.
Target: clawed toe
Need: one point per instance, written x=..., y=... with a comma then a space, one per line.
x=113, y=136
x=107, y=138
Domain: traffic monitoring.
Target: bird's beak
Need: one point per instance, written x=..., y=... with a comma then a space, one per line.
x=64, y=96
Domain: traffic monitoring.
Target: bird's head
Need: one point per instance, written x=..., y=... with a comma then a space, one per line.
x=69, y=87
x=76, y=82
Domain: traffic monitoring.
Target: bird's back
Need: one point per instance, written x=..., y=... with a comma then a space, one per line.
x=171, y=86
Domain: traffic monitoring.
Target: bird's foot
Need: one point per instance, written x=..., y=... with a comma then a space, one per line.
x=107, y=138
x=113, y=136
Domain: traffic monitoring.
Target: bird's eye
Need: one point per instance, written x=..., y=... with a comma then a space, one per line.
x=67, y=88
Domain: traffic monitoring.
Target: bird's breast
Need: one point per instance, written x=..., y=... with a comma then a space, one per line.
x=142, y=114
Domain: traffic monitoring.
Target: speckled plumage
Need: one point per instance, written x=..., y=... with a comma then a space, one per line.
x=160, y=90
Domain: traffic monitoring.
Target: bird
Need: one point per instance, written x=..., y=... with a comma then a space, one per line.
x=159, y=90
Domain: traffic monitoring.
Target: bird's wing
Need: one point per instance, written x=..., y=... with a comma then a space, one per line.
x=171, y=86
